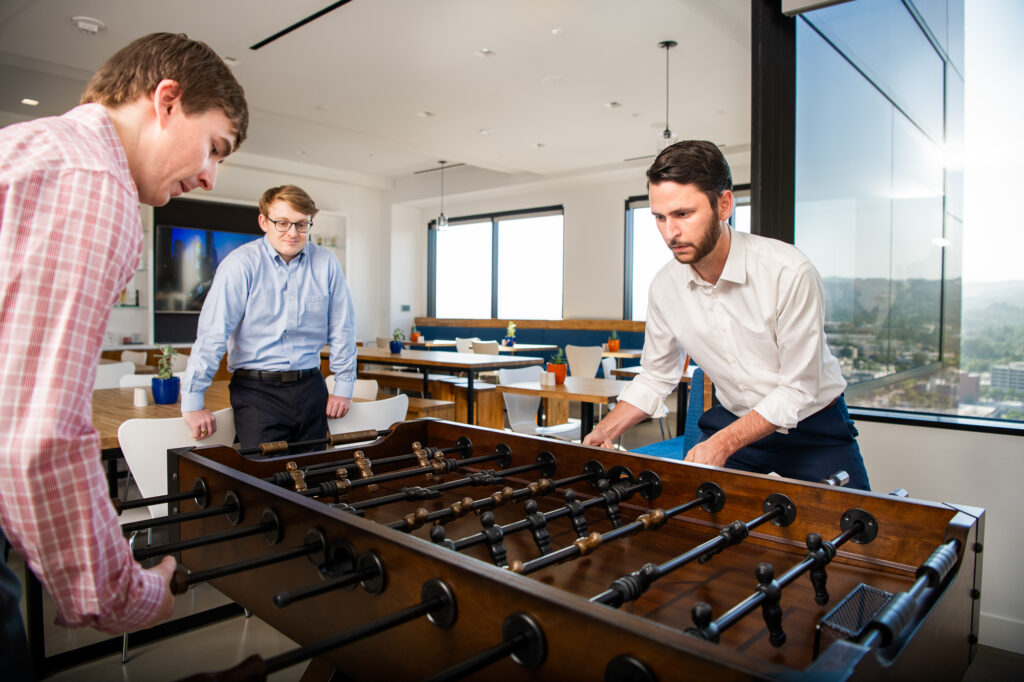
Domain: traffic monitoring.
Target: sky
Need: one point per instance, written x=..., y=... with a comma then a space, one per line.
x=993, y=140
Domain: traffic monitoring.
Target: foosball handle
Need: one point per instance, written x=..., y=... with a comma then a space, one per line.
x=838, y=479
x=770, y=608
x=900, y=492
x=179, y=580
x=252, y=669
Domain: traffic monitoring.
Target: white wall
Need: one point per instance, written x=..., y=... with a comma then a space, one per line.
x=964, y=467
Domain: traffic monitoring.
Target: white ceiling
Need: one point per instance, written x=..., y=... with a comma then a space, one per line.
x=346, y=91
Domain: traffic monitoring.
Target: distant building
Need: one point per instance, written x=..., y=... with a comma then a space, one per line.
x=1009, y=377
x=970, y=387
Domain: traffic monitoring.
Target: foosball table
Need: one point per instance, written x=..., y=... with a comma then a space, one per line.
x=436, y=550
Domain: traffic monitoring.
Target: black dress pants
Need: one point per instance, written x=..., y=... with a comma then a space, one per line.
x=269, y=411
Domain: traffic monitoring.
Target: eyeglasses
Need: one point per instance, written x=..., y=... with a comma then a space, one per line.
x=302, y=227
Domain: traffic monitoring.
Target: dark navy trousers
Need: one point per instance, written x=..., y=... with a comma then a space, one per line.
x=266, y=412
x=816, y=448
x=14, y=655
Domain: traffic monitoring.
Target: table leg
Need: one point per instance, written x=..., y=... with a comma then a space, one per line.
x=586, y=419
x=681, y=403
x=469, y=397
x=426, y=381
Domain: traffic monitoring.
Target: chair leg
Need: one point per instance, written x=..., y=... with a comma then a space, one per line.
x=124, y=648
x=661, y=425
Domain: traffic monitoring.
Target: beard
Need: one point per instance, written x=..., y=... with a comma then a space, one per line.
x=705, y=245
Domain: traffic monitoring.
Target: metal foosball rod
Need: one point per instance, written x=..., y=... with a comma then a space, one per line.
x=232, y=507
x=856, y=524
x=502, y=454
x=779, y=509
x=522, y=640
x=545, y=463
x=280, y=447
x=463, y=447
x=610, y=492
x=709, y=495
x=199, y=492
x=269, y=525
x=437, y=603
x=314, y=546
x=368, y=571
x=593, y=471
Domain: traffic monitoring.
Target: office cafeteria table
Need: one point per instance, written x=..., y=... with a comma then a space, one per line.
x=513, y=349
x=588, y=392
x=425, y=360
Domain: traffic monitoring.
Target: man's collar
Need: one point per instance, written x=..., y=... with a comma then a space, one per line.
x=735, y=269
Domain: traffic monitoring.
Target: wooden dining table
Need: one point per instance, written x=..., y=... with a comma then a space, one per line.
x=587, y=392
x=511, y=350
x=426, y=360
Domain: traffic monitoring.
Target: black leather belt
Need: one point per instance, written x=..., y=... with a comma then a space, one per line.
x=274, y=377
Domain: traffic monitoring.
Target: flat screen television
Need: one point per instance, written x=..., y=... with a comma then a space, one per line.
x=185, y=260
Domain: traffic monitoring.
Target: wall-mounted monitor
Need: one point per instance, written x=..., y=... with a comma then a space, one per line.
x=185, y=260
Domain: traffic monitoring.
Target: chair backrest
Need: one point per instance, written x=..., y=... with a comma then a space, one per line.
x=522, y=409
x=376, y=414
x=608, y=364
x=486, y=347
x=144, y=443
x=109, y=375
x=383, y=342
x=137, y=357
x=365, y=389
x=464, y=345
x=583, y=360
x=133, y=380
x=699, y=402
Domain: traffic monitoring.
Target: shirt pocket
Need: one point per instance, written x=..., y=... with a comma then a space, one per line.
x=315, y=311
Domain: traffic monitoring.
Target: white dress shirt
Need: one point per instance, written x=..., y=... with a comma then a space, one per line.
x=758, y=334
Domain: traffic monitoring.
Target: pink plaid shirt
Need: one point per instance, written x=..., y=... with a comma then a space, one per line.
x=70, y=239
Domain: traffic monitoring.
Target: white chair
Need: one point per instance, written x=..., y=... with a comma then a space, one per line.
x=522, y=409
x=583, y=360
x=179, y=362
x=137, y=357
x=144, y=444
x=109, y=375
x=365, y=389
x=464, y=345
x=486, y=348
x=376, y=414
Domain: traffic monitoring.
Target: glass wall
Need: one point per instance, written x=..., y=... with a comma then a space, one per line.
x=506, y=265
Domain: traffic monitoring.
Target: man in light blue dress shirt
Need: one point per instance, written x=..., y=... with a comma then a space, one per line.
x=273, y=305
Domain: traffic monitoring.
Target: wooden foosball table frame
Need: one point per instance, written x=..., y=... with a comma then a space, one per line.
x=645, y=638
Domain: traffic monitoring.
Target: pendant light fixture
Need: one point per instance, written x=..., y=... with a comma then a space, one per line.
x=667, y=136
x=442, y=219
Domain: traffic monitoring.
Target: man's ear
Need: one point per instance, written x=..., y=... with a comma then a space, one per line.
x=166, y=99
x=263, y=222
x=725, y=204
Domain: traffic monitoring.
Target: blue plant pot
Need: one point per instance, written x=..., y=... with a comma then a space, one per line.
x=396, y=346
x=508, y=341
x=165, y=391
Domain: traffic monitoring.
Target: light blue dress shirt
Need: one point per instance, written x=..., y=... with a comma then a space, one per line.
x=272, y=315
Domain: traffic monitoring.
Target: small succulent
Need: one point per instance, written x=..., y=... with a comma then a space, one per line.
x=164, y=363
x=558, y=357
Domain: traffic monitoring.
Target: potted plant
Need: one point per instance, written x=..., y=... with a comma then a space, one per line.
x=165, y=385
x=396, y=341
x=414, y=334
x=558, y=366
x=510, y=335
x=613, y=341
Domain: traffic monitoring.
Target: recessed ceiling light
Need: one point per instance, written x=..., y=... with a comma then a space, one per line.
x=88, y=25
x=613, y=105
x=557, y=31
x=231, y=61
x=486, y=52
x=30, y=102
x=553, y=81
x=322, y=107
x=425, y=114
x=539, y=145
x=301, y=152
x=485, y=131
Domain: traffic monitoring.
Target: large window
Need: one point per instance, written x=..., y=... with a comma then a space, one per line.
x=881, y=211
x=503, y=265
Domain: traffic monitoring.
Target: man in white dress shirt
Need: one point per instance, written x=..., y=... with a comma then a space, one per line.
x=750, y=312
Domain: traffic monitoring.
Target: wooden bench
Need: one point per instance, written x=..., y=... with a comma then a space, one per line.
x=429, y=407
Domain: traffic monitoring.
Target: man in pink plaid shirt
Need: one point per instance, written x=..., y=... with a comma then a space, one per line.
x=154, y=122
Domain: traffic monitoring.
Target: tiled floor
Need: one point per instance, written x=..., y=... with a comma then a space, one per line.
x=225, y=644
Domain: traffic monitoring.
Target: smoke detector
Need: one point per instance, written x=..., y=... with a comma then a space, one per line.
x=88, y=25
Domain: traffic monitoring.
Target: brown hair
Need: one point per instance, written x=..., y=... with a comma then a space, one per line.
x=206, y=81
x=693, y=162
x=295, y=196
